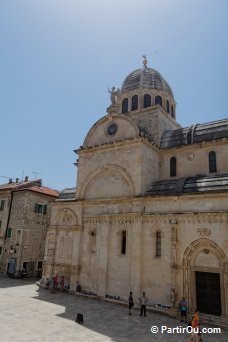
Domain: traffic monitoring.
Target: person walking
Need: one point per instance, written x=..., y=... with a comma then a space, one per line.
x=195, y=325
x=52, y=285
x=62, y=281
x=56, y=281
x=143, y=302
x=130, y=303
x=183, y=309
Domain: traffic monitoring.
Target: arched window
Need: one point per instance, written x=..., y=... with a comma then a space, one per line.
x=147, y=101
x=212, y=162
x=173, y=167
x=124, y=242
x=125, y=106
x=158, y=243
x=134, y=102
x=167, y=106
x=172, y=111
x=158, y=100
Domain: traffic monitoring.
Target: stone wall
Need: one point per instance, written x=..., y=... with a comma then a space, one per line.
x=29, y=230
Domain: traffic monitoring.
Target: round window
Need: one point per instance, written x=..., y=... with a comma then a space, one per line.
x=112, y=129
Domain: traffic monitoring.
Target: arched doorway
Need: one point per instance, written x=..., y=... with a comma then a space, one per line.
x=203, y=277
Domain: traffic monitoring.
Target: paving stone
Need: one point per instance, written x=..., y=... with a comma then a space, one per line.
x=35, y=315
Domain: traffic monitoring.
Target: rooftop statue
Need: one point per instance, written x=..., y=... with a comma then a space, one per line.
x=144, y=61
x=114, y=96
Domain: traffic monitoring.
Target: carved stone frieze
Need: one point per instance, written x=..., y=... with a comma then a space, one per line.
x=204, y=232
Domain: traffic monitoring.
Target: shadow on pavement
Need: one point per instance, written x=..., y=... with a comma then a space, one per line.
x=109, y=319
x=6, y=281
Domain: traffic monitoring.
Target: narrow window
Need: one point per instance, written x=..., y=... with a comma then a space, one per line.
x=125, y=106
x=158, y=243
x=124, y=241
x=147, y=101
x=0, y=250
x=2, y=203
x=9, y=233
x=172, y=111
x=173, y=167
x=158, y=100
x=134, y=102
x=167, y=106
x=212, y=162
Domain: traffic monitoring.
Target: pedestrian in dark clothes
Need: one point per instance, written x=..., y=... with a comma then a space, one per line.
x=130, y=302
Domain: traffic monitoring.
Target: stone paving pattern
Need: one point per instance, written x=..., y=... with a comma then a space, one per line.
x=32, y=314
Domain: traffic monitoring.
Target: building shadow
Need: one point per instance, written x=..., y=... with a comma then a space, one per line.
x=6, y=281
x=108, y=319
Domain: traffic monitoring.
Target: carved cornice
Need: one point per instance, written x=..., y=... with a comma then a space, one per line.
x=169, y=219
x=116, y=144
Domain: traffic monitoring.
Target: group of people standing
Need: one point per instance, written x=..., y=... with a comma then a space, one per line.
x=56, y=283
x=194, y=322
x=142, y=300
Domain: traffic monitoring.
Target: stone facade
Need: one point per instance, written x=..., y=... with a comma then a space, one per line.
x=24, y=227
x=116, y=234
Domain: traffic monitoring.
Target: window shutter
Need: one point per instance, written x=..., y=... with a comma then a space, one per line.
x=36, y=208
x=45, y=209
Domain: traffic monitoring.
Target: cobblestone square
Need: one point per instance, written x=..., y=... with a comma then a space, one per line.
x=32, y=314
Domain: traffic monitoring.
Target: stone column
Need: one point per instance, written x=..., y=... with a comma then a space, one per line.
x=49, y=257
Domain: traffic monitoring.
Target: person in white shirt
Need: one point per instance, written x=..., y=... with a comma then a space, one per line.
x=143, y=302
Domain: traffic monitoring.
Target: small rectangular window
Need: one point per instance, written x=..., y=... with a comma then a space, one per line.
x=9, y=233
x=2, y=203
x=1, y=250
x=41, y=208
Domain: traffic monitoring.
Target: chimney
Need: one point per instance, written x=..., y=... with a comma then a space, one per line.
x=26, y=178
x=10, y=180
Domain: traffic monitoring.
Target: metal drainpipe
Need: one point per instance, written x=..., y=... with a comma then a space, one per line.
x=8, y=218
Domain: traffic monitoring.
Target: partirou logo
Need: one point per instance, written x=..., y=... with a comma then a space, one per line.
x=181, y=330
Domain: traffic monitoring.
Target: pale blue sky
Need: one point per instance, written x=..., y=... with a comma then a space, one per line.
x=57, y=58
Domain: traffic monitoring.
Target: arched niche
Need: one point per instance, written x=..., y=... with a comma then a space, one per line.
x=108, y=181
x=203, y=255
x=66, y=217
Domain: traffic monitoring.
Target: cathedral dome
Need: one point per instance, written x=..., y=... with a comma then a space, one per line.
x=146, y=78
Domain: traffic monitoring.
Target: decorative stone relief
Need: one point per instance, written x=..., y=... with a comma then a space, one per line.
x=190, y=156
x=204, y=232
x=50, y=252
x=172, y=297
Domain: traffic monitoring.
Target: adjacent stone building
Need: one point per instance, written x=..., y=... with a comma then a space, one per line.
x=149, y=212
x=24, y=218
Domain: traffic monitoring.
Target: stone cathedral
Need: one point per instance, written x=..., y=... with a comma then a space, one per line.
x=150, y=208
